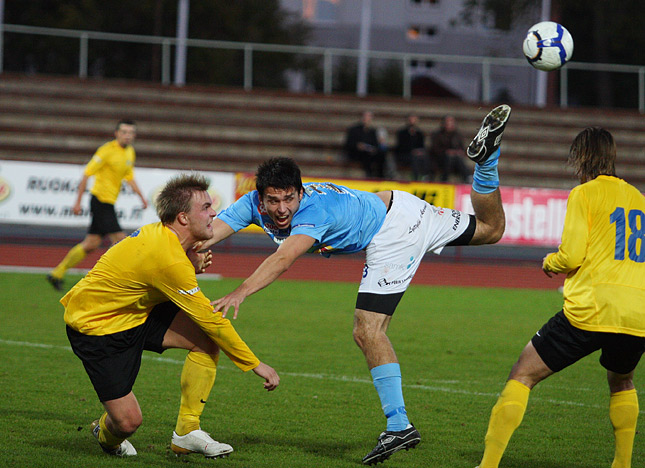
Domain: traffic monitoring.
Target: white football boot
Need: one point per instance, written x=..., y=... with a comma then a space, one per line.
x=199, y=441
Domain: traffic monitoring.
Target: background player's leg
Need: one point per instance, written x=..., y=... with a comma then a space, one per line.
x=623, y=413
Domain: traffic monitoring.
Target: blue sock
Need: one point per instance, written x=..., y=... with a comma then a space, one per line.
x=387, y=380
x=486, y=178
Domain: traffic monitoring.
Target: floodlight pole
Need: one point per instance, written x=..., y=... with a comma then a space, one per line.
x=183, y=6
x=541, y=83
x=364, y=44
x=1, y=35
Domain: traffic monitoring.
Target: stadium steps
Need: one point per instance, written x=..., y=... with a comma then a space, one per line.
x=206, y=128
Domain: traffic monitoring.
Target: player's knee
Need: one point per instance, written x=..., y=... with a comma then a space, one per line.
x=496, y=233
x=127, y=425
x=493, y=231
x=619, y=382
x=365, y=337
x=89, y=245
x=208, y=347
x=360, y=336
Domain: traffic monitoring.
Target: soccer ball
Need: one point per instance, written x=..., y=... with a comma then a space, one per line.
x=548, y=46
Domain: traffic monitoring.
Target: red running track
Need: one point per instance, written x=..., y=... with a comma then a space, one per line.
x=314, y=267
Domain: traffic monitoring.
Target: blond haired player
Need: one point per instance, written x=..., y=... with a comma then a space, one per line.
x=603, y=255
x=112, y=163
x=143, y=295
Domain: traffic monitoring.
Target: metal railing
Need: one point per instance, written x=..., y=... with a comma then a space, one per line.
x=326, y=53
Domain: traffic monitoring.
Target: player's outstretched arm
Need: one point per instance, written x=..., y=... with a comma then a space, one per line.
x=135, y=188
x=221, y=231
x=82, y=185
x=268, y=271
x=270, y=376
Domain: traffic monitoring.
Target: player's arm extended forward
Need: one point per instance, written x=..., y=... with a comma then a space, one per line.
x=221, y=231
x=575, y=234
x=272, y=267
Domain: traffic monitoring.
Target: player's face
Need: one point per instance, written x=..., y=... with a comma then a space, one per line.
x=125, y=134
x=200, y=217
x=281, y=205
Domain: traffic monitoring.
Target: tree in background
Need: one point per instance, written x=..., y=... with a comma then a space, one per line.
x=242, y=20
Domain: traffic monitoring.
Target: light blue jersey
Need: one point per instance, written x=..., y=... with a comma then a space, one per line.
x=340, y=219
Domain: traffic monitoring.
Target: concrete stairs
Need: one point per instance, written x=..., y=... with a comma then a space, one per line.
x=64, y=120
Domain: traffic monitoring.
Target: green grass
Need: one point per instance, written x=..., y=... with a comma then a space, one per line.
x=455, y=345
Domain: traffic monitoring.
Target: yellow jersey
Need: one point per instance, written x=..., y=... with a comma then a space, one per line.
x=145, y=269
x=603, y=255
x=110, y=165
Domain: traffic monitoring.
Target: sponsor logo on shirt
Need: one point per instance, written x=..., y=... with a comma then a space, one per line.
x=190, y=292
x=457, y=215
x=416, y=225
x=383, y=282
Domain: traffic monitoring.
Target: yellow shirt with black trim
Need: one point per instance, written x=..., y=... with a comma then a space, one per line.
x=603, y=255
x=145, y=269
x=110, y=165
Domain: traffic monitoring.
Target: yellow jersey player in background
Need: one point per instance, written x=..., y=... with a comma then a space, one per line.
x=603, y=255
x=112, y=163
x=143, y=294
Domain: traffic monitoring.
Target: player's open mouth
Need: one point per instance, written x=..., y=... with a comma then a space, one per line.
x=282, y=220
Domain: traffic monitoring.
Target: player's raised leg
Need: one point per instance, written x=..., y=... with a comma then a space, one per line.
x=485, y=196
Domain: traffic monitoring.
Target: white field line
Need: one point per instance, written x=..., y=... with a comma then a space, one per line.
x=79, y=271
x=337, y=378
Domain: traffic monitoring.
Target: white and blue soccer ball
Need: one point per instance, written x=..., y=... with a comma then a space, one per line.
x=548, y=45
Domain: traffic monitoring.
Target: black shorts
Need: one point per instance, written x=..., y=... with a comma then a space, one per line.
x=560, y=344
x=104, y=220
x=112, y=361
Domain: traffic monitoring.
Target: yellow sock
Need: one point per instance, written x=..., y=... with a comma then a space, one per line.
x=505, y=417
x=106, y=438
x=197, y=379
x=73, y=257
x=623, y=413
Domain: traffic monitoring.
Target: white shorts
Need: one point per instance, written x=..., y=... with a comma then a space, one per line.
x=411, y=228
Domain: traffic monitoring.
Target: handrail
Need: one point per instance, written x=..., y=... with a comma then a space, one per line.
x=326, y=53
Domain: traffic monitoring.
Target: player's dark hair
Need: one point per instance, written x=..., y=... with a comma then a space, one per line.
x=125, y=122
x=279, y=173
x=175, y=197
x=593, y=153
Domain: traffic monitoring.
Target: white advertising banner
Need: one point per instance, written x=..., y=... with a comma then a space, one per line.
x=44, y=193
x=534, y=217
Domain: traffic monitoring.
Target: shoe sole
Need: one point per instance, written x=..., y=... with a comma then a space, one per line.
x=180, y=451
x=498, y=115
x=384, y=456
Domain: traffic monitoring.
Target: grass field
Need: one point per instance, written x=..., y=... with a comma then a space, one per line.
x=455, y=345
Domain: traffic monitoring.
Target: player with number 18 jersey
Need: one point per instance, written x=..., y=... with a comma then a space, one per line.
x=603, y=255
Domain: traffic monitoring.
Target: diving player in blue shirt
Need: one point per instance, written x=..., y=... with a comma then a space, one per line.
x=394, y=228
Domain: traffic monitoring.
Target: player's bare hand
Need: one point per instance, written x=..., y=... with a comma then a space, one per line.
x=546, y=269
x=225, y=303
x=270, y=376
x=200, y=260
x=76, y=209
x=144, y=203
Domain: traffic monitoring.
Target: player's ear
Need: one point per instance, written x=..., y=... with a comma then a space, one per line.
x=182, y=218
